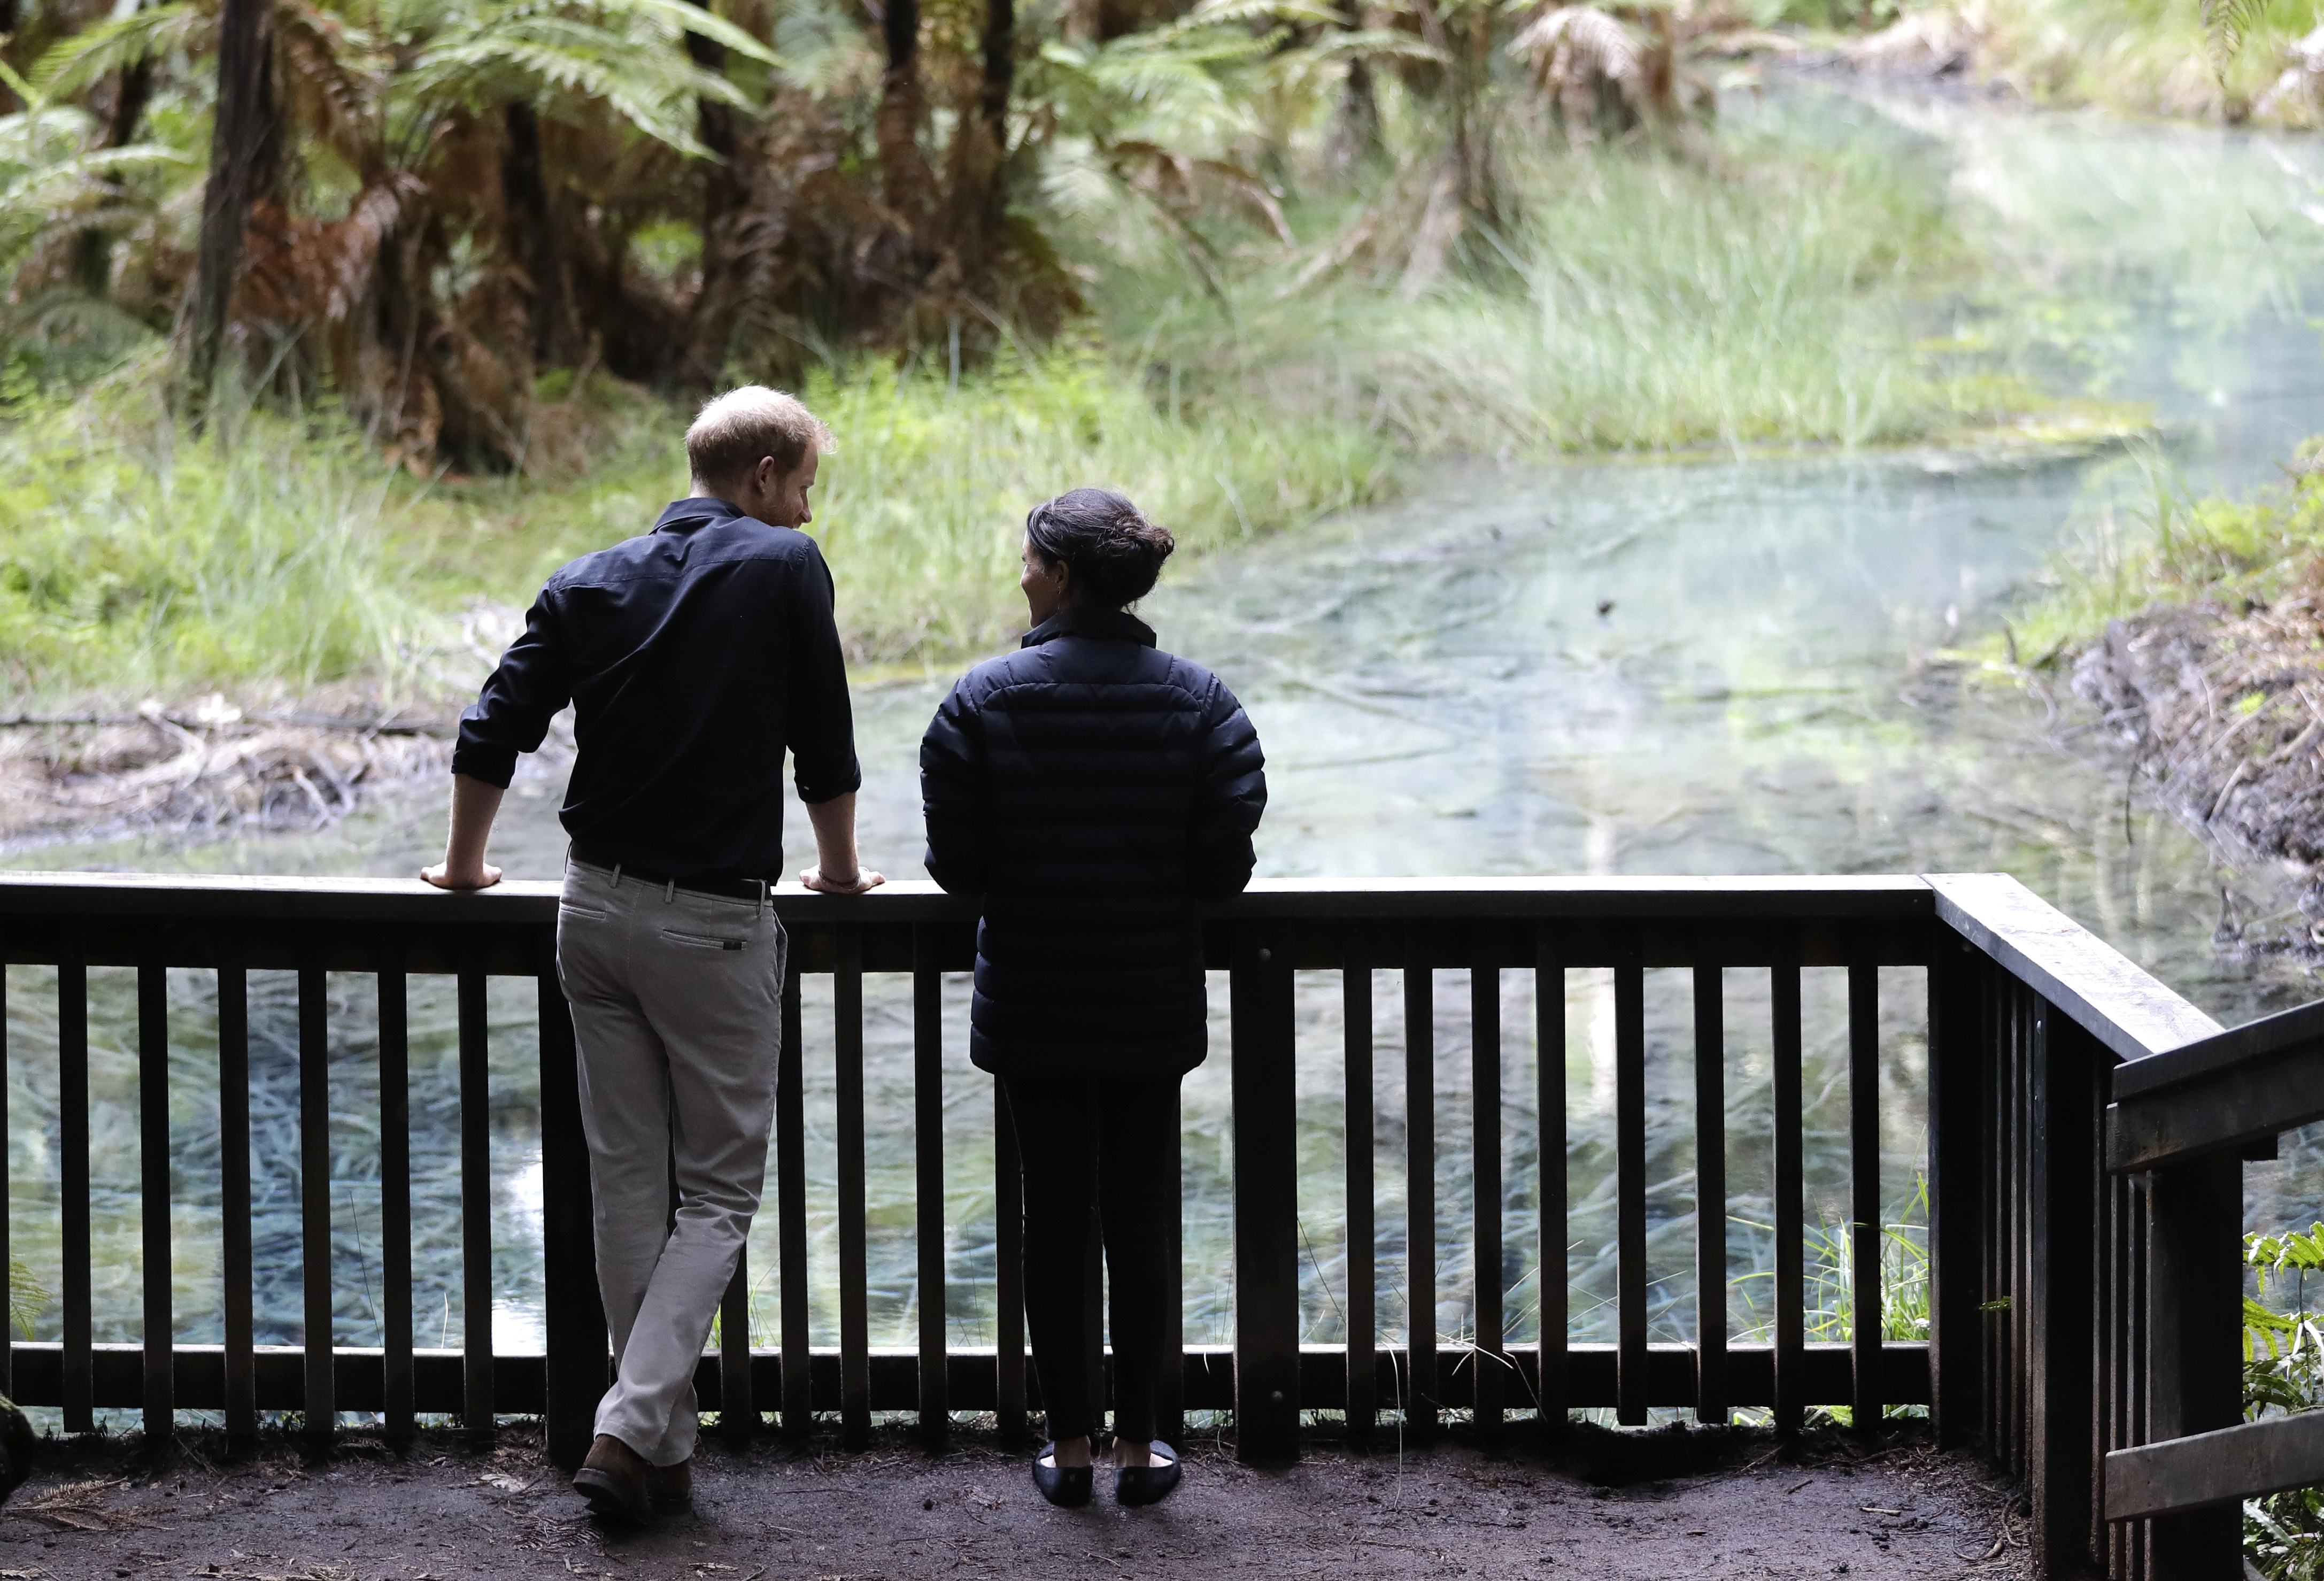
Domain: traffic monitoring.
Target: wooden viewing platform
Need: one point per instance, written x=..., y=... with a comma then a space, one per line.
x=2084, y=1259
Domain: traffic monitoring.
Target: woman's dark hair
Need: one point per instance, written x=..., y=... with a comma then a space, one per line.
x=1116, y=553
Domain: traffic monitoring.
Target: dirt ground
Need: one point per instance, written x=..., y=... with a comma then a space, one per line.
x=1651, y=1506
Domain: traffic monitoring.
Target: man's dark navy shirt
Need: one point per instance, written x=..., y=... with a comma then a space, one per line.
x=693, y=657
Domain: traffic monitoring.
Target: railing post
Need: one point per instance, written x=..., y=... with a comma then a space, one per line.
x=476, y=1187
x=1488, y=1356
x=1631, y=1389
x=1958, y=1066
x=790, y=1204
x=579, y=1360
x=153, y=1172
x=1265, y=1198
x=1867, y=1324
x=72, y=1180
x=1549, y=1102
x=928, y=1149
x=2194, y=1324
x=2060, y=1327
x=1356, y=1015
x=317, y=1338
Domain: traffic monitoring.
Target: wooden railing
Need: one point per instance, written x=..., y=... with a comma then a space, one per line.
x=2045, y=1306
x=2181, y=1124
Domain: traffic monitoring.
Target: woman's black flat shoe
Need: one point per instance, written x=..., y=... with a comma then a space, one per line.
x=1149, y=1485
x=1065, y=1486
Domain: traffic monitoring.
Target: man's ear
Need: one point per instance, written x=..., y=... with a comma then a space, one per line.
x=767, y=474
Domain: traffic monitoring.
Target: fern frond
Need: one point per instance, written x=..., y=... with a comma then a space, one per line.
x=72, y=63
x=2225, y=24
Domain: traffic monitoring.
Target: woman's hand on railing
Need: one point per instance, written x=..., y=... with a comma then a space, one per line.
x=865, y=879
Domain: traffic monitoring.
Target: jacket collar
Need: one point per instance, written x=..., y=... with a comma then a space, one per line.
x=1075, y=620
x=701, y=511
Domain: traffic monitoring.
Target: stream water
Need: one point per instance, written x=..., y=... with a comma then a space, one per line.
x=1704, y=665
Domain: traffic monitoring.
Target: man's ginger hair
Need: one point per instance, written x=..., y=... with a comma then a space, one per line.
x=733, y=431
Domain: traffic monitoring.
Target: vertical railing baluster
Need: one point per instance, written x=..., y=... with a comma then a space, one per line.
x=574, y=1324
x=476, y=1187
x=1631, y=1387
x=398, y=1407
x=1419, y=1185
x=1993, y=1147
x=8, y=1247
x=2023, y=1013
x=234, y=1188
x=1008, y=1270
x=854, y=1314
x=927, y=1149
x=738, y=1407
x=790, y=1205
x=1867, y=1323
x=1264, y=1079
x=1711, y=1391
x=314, y=1189
x=73, y=1183
x=1791, y=1188
x=160, y=1351
x=1549, y=1106
x=1490, y=1355
x=1956, y=1062
x=1356, y=1016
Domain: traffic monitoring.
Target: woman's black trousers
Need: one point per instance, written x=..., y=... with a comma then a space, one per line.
x=1101, y=1151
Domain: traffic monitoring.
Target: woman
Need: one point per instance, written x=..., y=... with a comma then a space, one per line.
x=1093, y=790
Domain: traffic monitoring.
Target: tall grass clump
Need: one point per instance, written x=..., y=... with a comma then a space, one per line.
x=283, y=554
x=1657, y=296
x=924, y=504
x=136, y=560
x=2149, y=57
x=920, y=508
x=2154, y=542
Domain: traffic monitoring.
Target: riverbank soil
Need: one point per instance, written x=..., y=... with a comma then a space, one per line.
x=2222, y=712
x=1650, y=1506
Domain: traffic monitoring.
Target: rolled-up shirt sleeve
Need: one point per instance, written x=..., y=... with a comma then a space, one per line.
x=1229, y=800
x=512, y=714
x=822, y=719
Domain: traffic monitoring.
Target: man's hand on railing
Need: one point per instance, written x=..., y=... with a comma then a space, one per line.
x=474, y=806
x=865, y=879
x=481, y=875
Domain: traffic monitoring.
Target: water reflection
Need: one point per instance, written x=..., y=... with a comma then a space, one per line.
x=1688, y=666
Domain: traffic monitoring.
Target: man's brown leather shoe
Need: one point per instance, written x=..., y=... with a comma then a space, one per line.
x=613, y=1480
x=670, y=1488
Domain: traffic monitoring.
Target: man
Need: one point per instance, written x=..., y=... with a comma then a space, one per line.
x=693, y=657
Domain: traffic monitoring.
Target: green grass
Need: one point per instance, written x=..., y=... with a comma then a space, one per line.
x=281, y=556
x=2156, y=544
x=1764, y=292
x=1760, y=291
x=2146, y=56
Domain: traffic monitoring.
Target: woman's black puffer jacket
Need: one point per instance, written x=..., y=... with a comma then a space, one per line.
x=1092, y=788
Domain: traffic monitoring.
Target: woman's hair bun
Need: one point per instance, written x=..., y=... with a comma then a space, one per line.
x=1116, y=553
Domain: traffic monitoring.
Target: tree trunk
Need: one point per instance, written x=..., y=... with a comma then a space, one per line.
x=9, y=16
x=725, y=199
x=1356, y=125
x=532, y=238
x=980, y=199
x=93, y=247
x=246, y=164
x=903, y=171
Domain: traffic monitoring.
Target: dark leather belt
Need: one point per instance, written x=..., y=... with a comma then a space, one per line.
x=724, y=885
